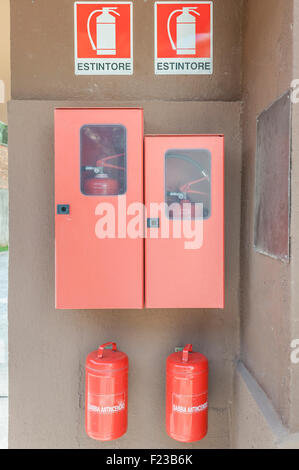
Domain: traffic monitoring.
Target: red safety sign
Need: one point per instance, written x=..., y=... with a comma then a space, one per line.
x=103, y=38
x=183, y=38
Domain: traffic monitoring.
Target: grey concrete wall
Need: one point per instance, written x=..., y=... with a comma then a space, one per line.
x=47, y=348
x=3, y=217
x=256, y=425
x=265, y=282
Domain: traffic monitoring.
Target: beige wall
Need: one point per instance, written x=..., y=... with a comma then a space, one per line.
x=4, y=55
x=265, y=282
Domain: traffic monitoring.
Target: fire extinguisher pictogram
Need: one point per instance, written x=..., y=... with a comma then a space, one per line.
x=187, y=395
x=106, y=393
x=183, y=38
x=185, y=31
x=105, y=31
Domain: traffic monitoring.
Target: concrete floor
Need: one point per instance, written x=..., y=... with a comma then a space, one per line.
x=3, y=351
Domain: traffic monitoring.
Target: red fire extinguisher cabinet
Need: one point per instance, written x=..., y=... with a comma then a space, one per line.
x=98, y=182
x=184, y=175
x=98, y=174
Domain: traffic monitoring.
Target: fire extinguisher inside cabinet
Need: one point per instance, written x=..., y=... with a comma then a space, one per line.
x=99, y=183
x=103, y=160
x=188, y=184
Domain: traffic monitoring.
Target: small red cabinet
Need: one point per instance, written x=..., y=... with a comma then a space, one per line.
x=184, y=247
x=98, y=173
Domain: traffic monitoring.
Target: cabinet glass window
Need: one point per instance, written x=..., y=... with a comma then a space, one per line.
x=103, y=160
x=187, y=183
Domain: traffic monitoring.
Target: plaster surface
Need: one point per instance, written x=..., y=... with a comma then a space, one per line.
x=43, y=57
x=265, y=283
x=48, y=347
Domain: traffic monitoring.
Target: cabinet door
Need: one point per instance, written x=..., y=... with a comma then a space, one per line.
x=184, y=192
x=98, y=174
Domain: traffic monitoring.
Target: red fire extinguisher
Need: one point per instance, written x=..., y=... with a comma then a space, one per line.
x=97, y=181
x=179, y=202
x=106, y=393
x=187, y=395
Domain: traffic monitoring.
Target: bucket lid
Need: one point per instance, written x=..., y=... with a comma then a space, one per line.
x=107, y=357
x=186, y=361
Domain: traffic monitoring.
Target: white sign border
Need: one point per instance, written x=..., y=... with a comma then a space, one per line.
x=93, y=60
x=175, y=59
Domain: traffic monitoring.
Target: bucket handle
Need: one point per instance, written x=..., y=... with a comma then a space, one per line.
x=186, y=350
x=106, y=345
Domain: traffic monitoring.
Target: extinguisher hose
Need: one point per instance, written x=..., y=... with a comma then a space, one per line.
x=110, y=165
x=105, y=159
x=189, y=160
x=186, y=187
x=194, y=163
x=103, y=163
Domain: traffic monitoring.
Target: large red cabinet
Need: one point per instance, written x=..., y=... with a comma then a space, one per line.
x=118, y=246
x=98, y=174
